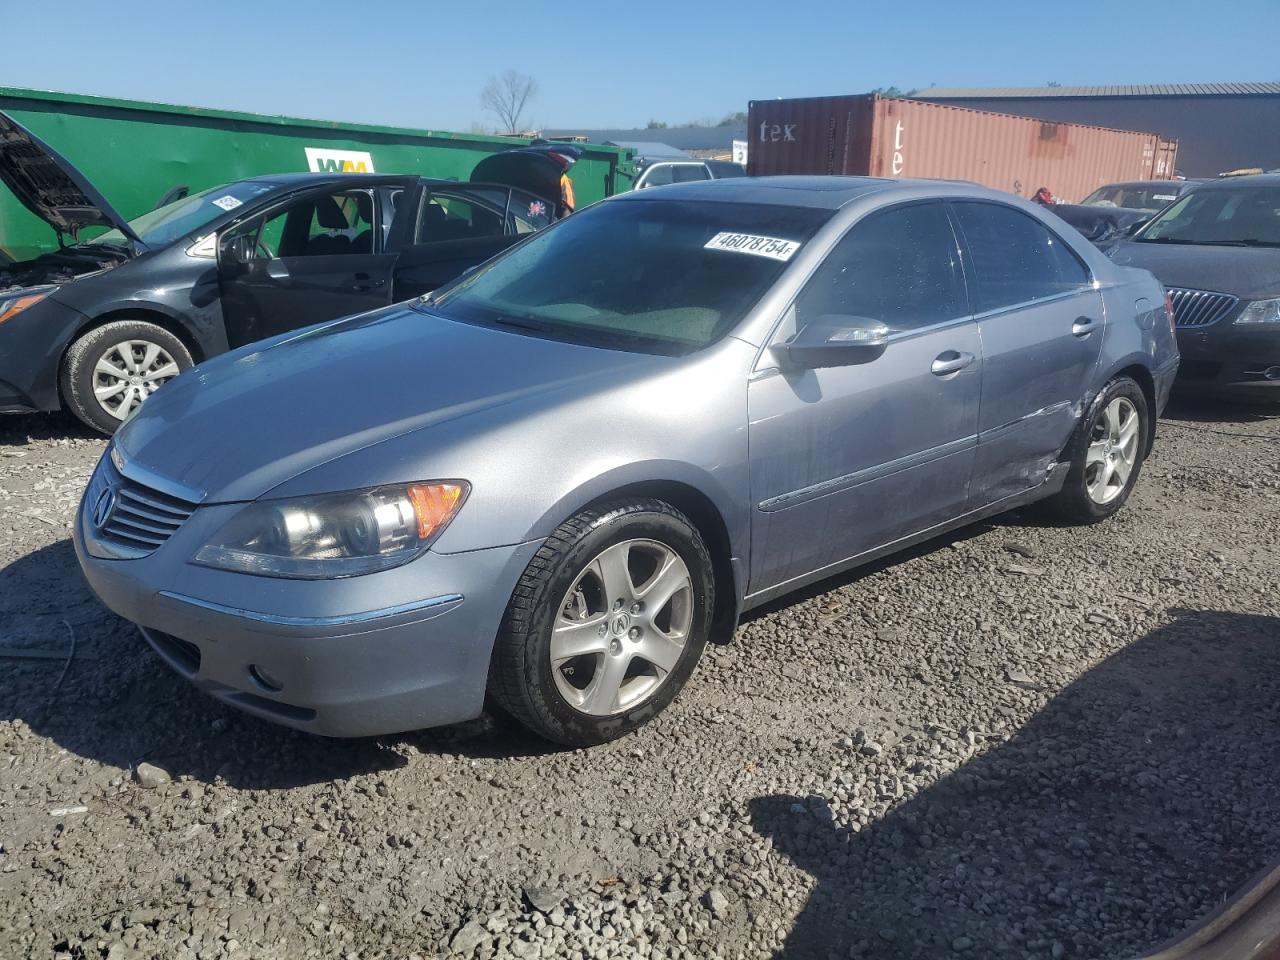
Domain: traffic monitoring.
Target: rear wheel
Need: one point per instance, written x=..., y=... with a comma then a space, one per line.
x=1106, y=454
x=606, y=624
x=112, y=369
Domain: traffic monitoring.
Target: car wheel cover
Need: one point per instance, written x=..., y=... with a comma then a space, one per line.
x=129, y=372
x=621, y=628
x=1113, y=451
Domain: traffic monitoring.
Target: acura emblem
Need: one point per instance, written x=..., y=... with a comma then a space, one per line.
x=103, y=508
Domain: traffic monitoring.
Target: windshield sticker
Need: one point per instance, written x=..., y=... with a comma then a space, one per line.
x=1163, y=196
x=227, y=203
x=771, y=247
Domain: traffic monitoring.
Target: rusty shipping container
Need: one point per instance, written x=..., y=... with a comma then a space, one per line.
x=876, y=136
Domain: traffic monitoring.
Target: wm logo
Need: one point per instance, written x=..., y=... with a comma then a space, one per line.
x=320, y=160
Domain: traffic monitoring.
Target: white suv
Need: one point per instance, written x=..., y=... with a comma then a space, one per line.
x=683, y=171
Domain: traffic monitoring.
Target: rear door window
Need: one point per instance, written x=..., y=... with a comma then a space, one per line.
x=527, y=213
x=1014, y=258
x=461, y=213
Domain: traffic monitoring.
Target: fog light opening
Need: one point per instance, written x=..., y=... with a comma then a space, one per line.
x=264, y=680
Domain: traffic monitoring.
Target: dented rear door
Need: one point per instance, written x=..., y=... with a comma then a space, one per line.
x=1040, y=319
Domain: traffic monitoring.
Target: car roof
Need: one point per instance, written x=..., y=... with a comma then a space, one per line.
x=1245, y=180
x=819, y=192
x=304, y=179
x=1173, y=184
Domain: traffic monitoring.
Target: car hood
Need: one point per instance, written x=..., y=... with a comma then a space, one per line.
x=236, y=427
x=47, y=184
x=1250, y=273
x=1100, y=223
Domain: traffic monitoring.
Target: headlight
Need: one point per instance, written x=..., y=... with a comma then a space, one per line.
x=335, y=535
x=12, y=305
x=1260, y=311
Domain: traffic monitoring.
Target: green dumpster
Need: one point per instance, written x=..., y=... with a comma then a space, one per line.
x=136, y=152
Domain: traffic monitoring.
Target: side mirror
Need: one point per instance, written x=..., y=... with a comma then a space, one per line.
x=834, y=340
x=1135, y=227
x=235, y=251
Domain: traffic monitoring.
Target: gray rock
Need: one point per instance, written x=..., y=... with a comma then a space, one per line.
x=1019, y=677
x=149, y=776
x=717, y=903
x=543, y=899
x=1024, y=570
x=469, y=936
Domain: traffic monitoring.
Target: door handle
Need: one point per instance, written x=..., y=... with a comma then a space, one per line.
x=1083, y=326
x=366, y=282
x=952, y=361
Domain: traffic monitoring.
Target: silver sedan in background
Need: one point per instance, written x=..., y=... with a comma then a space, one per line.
x=553, y=482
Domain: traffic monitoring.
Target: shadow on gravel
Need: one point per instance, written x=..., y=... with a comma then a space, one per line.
x=119, y=704
x=835, y=582
x=22, y=429
x=1194, y=409
x=1127, y=808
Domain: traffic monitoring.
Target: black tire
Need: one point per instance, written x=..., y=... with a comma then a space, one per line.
x=522, y=678
x=1073, y=503
x=77, y=375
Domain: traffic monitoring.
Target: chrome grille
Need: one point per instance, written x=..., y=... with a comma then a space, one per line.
x=1199, y=308
x=131, y=515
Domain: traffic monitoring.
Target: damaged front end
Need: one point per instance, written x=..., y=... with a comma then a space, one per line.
x=59, y=267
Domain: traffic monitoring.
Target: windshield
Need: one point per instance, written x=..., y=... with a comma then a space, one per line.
x=165, y=224
x=1134, y=198
x=654, y=276
x=1247, y=216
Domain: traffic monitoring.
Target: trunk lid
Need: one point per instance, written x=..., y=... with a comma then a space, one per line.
x=536, y=169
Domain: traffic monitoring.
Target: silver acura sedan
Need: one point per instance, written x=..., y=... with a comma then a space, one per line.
x=554, y=481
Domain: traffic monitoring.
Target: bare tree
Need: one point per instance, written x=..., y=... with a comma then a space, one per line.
x=507, y=96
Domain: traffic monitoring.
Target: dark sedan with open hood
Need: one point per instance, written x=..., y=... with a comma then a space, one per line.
x=1217, y=250
x=100, y=324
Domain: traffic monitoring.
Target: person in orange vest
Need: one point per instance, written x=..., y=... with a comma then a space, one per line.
x=567, y=201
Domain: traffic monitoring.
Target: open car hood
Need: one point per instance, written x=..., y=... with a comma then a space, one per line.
x=50, y=187
x=535, y=169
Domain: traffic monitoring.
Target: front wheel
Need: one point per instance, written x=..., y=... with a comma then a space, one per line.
x=1106, y=454
x=112, y=369
x=606, y=624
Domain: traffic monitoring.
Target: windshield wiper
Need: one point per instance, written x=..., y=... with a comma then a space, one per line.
x=1163, y=240
x=520, y=324
x=1244, y=242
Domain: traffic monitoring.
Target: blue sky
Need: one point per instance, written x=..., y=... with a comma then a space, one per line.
x=606, y=63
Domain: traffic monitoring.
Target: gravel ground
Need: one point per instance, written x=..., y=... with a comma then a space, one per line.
x=1022, y=741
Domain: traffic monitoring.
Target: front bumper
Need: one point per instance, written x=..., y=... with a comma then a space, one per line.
x=31, y=349
x=1231, y=360
x=398, y=650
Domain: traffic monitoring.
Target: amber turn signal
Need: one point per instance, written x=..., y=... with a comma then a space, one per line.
x=434, y=504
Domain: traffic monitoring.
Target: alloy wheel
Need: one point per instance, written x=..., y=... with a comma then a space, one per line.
x=128, y=373
x=621, y=628
x=1113, y=451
